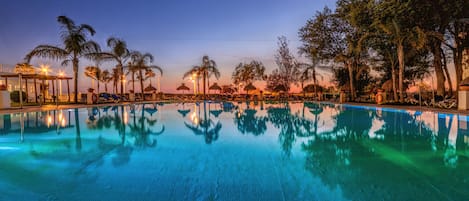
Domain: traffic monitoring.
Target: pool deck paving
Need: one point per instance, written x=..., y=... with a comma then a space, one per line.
x=82, y=105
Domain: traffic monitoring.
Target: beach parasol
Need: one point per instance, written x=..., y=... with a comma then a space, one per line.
x=215, y=87
x=151, y=111
x=249, y=87
x=280, y=87
x=150, y=88
x=310, y=88
x=184, y=112
x=228, y=89
x=183, y=87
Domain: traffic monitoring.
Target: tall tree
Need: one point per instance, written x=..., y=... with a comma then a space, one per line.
x=208, y=66
x=288, y=67
x=139, y=63
x=105, y=78
x=247, y=73
x=76, y=45
x=393, y=18
x=336, y=38
x=118, y=53
x=94, y=72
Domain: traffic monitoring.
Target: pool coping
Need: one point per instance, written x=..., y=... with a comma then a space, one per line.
x=73, y=106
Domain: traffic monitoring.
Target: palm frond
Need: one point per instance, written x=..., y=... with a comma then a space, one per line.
x=65, y=62
x=90, y=47
x=47, y=51
x=157, y=68
x=85, y=27
x=66, y=22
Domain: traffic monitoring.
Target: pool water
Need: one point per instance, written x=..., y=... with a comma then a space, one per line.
x=251, y=151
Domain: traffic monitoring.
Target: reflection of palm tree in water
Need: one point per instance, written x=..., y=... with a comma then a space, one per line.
x=248, y=122
x=205, y=127
x=293, y=125
x=141, y=132
x=77, y=131
x=282, y=118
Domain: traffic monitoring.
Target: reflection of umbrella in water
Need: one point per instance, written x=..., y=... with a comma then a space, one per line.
x=184, y=112
x=216, y=113
x=183, y=87
x=215, y=87
x=149, y=88
x=150, y=110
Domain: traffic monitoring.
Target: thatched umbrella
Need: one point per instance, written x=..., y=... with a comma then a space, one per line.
x=183, y=87
x=280, y=88
x=310, y=88
x=249, y=87
x=150, y=88
x=215, y=87
x=228, y=89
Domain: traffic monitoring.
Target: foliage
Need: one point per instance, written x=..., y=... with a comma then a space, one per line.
x=247, y=73
x=76, y=44
x=204, y=71
x=288, y=71
x=15, y=96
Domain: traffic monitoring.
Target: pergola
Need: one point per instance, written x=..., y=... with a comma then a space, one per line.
x=36, y=77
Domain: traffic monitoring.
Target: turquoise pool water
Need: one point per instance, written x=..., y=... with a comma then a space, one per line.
x=294, y=151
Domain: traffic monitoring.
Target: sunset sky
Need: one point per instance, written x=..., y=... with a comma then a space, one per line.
x=178, y=33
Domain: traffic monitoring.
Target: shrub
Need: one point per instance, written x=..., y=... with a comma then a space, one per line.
x=15, y=96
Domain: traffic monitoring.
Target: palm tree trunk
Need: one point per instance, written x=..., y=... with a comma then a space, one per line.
x=351, y=79
x=440, y=75
x=400, y=57
x=203, y=80
x=141, y=84
x=315, y=82
x=121, y=79
x=75, y=78
x=208, y=84
x=445, y=68
x=393, y=79
x=133, y=82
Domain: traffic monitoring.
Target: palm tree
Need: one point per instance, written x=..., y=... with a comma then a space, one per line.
x=140, y=62
x=149, y=73
x=105, y=77
x=208, y=67
x=247, y=73
x=194, y=73
x=120, y=54
x=94, y=73
x=116, y=77
x=309, y=72
x=24, y=68
x=76, y=45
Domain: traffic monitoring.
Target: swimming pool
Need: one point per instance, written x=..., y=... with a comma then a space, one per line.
x=255, y=151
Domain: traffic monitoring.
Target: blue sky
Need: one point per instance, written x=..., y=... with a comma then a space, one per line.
x=178, y=33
